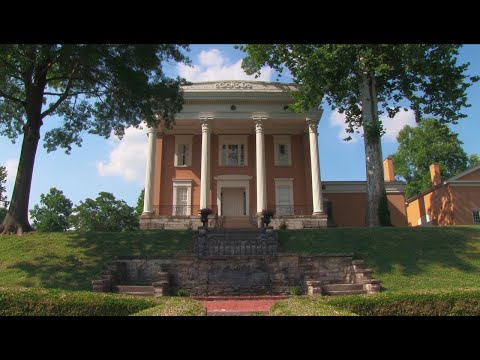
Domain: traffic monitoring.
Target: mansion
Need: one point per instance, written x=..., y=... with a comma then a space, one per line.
x=238, y=149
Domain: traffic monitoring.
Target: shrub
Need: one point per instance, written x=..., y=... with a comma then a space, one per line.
x=42, y=302
x=175, y=307
x=182, y=292
x=456, y=303
x=307, y=307
x=296, y=290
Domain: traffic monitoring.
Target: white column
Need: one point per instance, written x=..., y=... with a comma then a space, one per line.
x=260, y=163
x=205, y=169
x=150, y=172
x=315, y=166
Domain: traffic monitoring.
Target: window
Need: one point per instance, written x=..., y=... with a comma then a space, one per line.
x=233, y=150
x=183, y=150
x=284, y=196
x=182, y=190
x=282, y=146
x=476, y=216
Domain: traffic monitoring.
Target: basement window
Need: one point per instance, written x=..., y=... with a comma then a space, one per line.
x=476, y=216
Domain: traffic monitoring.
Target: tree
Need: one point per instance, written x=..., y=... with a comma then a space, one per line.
x=473, y=160
x=139, y=208
x=93, y=88
x=54, y=213
x=429, y=142
x=3, y=197
x=354, y=78
x=105, y=213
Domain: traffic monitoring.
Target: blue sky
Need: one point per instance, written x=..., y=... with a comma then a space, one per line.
x=119, y=166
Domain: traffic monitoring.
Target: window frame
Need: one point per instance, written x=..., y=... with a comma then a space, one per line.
x=477, y=210
x=238, y=140
x=183, y=140
x=182, y=183
x=279, y=183
x=282, y=140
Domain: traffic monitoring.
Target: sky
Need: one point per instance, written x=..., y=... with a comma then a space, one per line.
x=119, y=166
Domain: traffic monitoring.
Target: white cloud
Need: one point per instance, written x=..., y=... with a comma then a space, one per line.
x=337, y=119
x=127, y=156
x=393, y=126
x=214, y=65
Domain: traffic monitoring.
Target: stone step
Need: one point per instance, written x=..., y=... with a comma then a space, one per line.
x=342, y=287
x=344, y=292
x=134, y=289
x=138, y=293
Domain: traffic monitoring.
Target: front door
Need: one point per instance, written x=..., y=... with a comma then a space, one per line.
x=233, y=202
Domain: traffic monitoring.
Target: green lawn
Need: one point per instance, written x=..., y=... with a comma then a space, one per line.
x=405, y=259
x=72, y=260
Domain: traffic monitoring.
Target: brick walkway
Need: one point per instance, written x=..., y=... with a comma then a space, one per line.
x=239, y=305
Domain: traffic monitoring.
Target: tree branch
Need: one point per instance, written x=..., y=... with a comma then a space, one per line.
x=65, y=95
x=12, y=98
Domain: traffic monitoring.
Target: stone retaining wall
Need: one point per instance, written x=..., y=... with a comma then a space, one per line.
x=239, y=275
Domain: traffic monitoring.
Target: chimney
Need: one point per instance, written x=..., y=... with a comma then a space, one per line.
x=388, y=169
x=435, y=174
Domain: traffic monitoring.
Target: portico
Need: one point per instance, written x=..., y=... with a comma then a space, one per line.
x=238, y=149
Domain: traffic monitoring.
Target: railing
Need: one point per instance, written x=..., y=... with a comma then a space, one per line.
x=291, y=210
x=180, y=210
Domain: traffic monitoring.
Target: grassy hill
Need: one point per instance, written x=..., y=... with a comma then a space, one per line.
x=404, y=259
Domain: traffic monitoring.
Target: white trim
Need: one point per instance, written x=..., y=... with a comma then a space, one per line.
x=282, y=140
x=183, y=140
x=283, y=182
x=233, y=140
x=182, y=183
x=466, y=172
x=233, y=181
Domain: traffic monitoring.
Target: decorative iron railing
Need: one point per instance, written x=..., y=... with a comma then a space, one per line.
x=181, y=210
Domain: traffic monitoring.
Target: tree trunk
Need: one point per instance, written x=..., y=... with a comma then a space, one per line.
x=373, y=151
x=16, y=220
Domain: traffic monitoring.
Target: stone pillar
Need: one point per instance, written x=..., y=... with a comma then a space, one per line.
x=150, y=172
x=205, y=169
x=315, y=167
x=260, y=164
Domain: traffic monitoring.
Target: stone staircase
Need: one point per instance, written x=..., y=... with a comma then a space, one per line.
x=343, y=289
x=237, y=222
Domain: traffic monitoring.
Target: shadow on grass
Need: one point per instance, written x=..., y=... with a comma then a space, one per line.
x=84, y=255
x=406, y=250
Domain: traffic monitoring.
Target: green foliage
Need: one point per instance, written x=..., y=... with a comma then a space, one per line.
x=182, y=292
x=307, y=306
x=105, y=213
x=54, y=213
x=438, y=303
x=93, y=88
x=139, y=208
x=429, y=142
x=448, y=303
x=384, y=211
x=174, y=306
x=296, y=291
x=473, y=160
x=283, y=225
x=42, y=302
x=427, y=75
x=3, y=180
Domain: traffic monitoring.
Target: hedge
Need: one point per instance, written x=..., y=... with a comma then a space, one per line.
x=43, y=302
x=175, y=306
x=444, y=303
x=306, y=306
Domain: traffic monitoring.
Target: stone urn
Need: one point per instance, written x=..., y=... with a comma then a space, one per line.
x=204, y=216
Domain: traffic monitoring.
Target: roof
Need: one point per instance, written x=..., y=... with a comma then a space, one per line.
x=462, y=174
